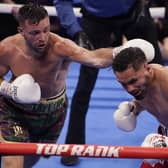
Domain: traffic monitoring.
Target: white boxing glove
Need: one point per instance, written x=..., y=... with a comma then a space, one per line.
x=124, y=116
x=154, y=140
x=144, y=45
x=22, y=90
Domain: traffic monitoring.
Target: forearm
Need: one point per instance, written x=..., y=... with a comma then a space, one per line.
x=8, y=1
x=99, y=58
x=104, y=57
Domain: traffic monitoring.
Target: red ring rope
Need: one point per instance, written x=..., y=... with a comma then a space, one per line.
x=83, y=150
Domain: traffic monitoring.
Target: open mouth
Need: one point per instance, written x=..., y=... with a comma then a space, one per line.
x=41, y=45
x=136, y=93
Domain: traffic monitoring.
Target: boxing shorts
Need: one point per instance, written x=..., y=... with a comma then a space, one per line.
x=40, y=122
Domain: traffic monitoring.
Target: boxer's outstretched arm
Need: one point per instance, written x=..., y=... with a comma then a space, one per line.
x=102, y=57
x=99, y=58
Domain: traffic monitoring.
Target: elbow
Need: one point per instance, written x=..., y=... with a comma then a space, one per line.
x=103, y=65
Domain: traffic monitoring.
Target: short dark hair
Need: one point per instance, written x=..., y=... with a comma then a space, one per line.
x=32, y=12
x=132, y=56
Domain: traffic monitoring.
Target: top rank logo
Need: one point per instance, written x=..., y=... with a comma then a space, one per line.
x=77, y=150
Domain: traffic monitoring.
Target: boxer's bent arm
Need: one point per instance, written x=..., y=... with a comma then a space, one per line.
x=23, y=89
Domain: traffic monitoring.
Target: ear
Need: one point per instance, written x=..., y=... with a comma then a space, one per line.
x=20, y=29
x=147, y=67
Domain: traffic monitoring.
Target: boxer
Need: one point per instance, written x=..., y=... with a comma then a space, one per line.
x=148, y=85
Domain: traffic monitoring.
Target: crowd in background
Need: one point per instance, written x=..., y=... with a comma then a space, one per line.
x=9, y=21
x=162, y=27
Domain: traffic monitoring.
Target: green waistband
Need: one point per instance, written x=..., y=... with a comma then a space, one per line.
x=43, y=106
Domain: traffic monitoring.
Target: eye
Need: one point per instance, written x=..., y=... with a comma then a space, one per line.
x=46, y=29
x=34, y=33
x=132, y=81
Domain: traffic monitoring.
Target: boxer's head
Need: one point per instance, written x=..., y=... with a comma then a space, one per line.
x=34, y=25
x=132, y=71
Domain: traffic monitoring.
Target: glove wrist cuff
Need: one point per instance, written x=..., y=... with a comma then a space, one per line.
x=6, y=89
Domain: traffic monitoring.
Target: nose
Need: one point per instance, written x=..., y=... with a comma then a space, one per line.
x=42, y=37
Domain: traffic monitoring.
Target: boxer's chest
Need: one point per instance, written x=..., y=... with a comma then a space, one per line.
x=157, y=105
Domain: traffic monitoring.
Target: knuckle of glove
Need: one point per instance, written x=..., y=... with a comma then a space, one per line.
x=124, y=119
x=37, y=93
x=25, y=78
x=125, y=123
x=125, y=108
x=144, y=45
x=29, y=95
x=26, y=90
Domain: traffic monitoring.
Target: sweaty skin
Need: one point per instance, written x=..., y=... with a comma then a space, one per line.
x=46, y=56
x=155, y=100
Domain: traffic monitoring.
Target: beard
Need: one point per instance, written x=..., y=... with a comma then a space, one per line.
x=141, y=95
x=38, y=52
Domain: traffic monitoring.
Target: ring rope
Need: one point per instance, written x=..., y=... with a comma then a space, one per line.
x=8, y=8
x=156, y=12
x=86, y=150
